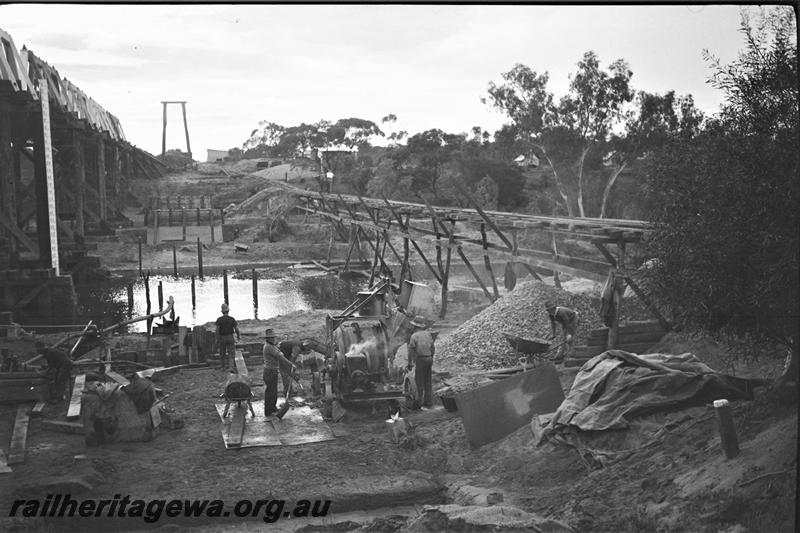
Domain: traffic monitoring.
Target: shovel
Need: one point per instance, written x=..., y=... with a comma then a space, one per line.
x=285, y=407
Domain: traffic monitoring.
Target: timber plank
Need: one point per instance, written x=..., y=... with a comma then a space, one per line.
x=4, y=468
x=38, y=408
x=63, y=426
x=626, y=338
x=236, y=429
x=16, y=452
x=74, y=410
x=241, y=367
x=122, y=380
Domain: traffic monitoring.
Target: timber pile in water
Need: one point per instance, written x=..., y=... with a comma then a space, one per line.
x=479, y=342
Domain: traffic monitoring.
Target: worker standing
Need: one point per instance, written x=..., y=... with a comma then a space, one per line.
x=274, y=360
x=226, y=327
x=420, y=355
x=59, y=366
x=568, y=319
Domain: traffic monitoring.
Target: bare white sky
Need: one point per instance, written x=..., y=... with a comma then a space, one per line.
x=427, y=64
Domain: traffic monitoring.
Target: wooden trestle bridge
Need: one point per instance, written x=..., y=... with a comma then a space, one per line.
x=65, y=167
x=374, y=221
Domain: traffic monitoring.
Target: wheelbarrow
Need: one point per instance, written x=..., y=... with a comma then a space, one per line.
x=532, y=346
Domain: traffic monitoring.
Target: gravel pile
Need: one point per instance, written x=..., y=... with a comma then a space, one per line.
x=479, y=342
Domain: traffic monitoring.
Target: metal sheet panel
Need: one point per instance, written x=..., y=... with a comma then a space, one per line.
x=491, y=412
x=301, y=425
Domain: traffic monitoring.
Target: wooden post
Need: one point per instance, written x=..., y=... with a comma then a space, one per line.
x=727, y=429
x=487, y=263
x=211, y=222
x=194, y=299
x=79, y=168
x=41, y=176
x=198, y=216
x=147, y=292
x=374, y=259
x=164, y=130
x=255, y=291
x=619, y=290
x=183, y=224
x=221, y=216
x=140, y=256
x=439, y=264
x=199, y=258
x=101, y=178
x=130, y=300
x=160, y=296
x=169, y=215
x=446, y=273
x=406, y=268
x=147, y=217
x=174, y=261
x=225, y=286
x=8, y=175
x=556, y=278
x=186, y=129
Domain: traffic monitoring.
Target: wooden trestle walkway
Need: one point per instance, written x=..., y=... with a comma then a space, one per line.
x=358, y=219
x=65, y=169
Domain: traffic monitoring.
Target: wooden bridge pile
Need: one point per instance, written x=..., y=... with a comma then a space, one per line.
x=65, y=168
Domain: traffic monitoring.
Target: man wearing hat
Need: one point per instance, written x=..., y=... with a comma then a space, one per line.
x=226, y=327
x=274, y=360
x=568, y=319
x=420, y=354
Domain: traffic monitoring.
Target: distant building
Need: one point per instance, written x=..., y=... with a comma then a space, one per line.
x=529, y=160
x=216, y=156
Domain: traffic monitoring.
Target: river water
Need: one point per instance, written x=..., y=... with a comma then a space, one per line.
x=106, y=302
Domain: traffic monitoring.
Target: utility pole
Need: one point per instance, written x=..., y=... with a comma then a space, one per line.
x=164, y=128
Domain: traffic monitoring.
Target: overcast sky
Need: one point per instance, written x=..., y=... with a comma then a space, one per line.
x=428, y=64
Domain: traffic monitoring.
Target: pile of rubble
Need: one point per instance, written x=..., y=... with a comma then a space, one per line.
x=479, y=342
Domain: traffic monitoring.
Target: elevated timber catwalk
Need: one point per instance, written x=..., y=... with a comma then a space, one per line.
x=374, y=221
x=64, y=172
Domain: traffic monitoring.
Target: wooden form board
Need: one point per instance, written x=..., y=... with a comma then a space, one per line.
x=74, y=410
x=16, y=452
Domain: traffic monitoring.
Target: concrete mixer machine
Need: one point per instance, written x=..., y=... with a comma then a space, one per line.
x=363, y=341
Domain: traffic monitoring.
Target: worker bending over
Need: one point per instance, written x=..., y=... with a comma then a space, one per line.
x=568, y=319
x=274, y=362
x=420, y=355
x=59, y=366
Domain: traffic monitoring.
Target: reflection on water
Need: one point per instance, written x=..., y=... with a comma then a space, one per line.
x=107, y=302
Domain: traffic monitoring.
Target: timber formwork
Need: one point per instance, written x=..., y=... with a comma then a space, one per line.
x=65, y=166
x=450, y=230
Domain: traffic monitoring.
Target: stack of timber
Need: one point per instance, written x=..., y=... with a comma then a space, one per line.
x=635, y=337
x=23, y=387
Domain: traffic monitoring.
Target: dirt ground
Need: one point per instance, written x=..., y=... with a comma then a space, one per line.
x=681, y=483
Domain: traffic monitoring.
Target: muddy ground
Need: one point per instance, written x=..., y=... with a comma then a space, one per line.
x=681, y=483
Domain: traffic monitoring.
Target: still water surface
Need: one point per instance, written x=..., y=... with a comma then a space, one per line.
x=107, y=302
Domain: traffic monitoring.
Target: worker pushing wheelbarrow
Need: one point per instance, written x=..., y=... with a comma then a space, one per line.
x=567, y=318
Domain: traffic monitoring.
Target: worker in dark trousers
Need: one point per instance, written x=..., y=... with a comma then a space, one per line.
x=59, y=366
x=420, y=355
x=226, y=327
x=568, y=319
x=274, y=362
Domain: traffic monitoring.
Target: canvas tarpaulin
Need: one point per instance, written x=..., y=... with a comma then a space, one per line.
x=618, y=391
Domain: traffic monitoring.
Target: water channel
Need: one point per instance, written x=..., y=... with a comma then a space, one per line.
x=106, y=302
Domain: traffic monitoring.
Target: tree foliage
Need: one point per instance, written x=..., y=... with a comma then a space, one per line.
x=568, y=134
x=726, y=201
